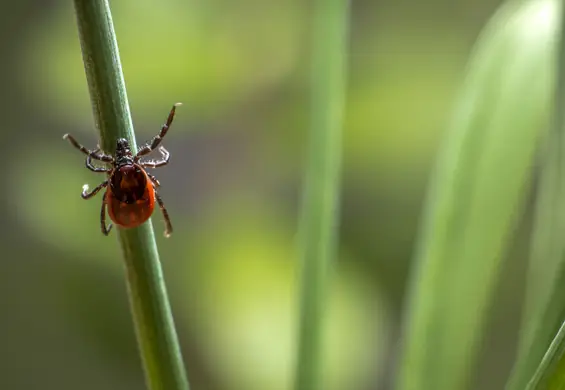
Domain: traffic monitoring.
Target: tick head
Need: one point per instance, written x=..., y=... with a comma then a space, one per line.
x=122, y=144
x=122, y=148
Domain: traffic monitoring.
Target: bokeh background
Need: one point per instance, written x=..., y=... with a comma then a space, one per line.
x=232, y=189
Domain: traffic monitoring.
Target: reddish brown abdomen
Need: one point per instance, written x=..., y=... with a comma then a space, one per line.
x=130, y=197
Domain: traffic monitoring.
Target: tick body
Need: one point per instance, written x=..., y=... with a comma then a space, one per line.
x=130, y=192
x=130, y=198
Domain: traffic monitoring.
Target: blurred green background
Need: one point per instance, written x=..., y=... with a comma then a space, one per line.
x=232, y=189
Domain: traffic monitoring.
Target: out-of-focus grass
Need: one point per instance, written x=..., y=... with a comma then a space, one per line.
x=319, y=219
x=219, y=34
x=477, y=196
x=545, y=306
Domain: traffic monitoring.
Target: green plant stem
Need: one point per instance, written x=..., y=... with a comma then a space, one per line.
x=151, y=311
x=321, y=183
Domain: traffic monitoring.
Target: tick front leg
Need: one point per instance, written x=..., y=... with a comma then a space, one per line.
x=76, y=144
x=157, y=163
x=87, y=195
x=94, y=153
x=90, y=166
x=148, y=147
x=105, y=229
x=168, y=226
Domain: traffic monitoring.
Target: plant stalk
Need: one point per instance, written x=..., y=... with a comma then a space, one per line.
x=319, y=215
x=155, y=330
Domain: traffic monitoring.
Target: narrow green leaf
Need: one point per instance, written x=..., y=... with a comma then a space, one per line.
x=477, y=196
x=151, y=311
x=551, y=371
x=321, y=183
x=545, y=306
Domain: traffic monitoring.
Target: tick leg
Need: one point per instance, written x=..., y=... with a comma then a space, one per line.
x=87, y=195
x=105, y=229
x=149, y=146
x=75, y=143
x=153, y=179
x=95, y=154
x=157, y=163
x=168, y=226
x=92, y=167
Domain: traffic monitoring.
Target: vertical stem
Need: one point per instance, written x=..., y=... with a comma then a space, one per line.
x=156, y=335
x=319, y=217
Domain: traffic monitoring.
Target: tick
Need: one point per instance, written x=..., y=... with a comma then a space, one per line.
x=131, y=191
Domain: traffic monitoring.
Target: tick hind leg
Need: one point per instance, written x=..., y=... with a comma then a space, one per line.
x=105, y=229
x=168, y=226
x=154, y=179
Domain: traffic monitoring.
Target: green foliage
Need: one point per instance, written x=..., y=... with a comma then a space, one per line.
x=320, y=207
x=545, y=306
x=477, y=196
x=233, y=268
x=212, y=51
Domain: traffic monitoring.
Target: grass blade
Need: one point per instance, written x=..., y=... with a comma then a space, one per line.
x=156, y=335
x=477, y=195
x=545, y=306
x=551, y=371
x=321, y=182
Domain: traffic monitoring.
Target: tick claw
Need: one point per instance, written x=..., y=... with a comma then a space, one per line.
x=85, y=194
